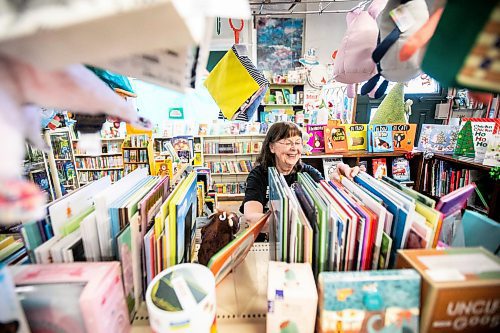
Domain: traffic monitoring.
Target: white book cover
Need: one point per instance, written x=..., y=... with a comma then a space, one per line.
x=330, y=166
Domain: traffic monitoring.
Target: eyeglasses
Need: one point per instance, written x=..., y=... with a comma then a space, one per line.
x=290, y=143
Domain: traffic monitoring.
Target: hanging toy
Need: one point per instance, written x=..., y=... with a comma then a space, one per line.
x=495, y=173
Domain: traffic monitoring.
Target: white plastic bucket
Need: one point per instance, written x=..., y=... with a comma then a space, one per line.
x=182, y=299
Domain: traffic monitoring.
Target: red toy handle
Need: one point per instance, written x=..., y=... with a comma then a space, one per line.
x=236, y=31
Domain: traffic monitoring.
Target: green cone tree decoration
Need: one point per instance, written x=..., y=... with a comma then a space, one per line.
x=392, y=108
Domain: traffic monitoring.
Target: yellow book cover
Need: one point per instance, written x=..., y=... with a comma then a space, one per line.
x=197, y=159
x=356, y=136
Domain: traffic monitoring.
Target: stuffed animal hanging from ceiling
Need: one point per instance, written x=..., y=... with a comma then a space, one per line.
x=217, y=234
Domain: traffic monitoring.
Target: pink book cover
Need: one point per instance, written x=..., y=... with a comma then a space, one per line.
x=102, y=302
x=316, y=137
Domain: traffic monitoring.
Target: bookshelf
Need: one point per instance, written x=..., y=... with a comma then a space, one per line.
x=61, y=160
x=353, y=158
x=37, y=170
x=137, y=150
x=286, y=96
x=230, y=159
x=109, y=162
x=469, y=172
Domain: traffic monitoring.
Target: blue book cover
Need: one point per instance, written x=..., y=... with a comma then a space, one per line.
x=380, y=138
x=371, y=301
x=400, y=215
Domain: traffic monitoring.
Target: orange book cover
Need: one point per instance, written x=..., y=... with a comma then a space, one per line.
x=404, y=136
x=335, y=138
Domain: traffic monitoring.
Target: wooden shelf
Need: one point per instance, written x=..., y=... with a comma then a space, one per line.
x=232, y=135
x=450, y=158
x=105, y=139
x=230, y=195
x=100, y=169
x=97, y=155
x=134, y=147
x=360, y=153
x=143, y=162
x=230, y=154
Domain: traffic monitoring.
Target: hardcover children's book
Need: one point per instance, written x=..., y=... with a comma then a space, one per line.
x=235, y=251
x=356, y=136
x=403, y=136
x=438, y=138
x=371, y=301
x=316, y=137
x=473, y=137
x=492, y=155
x=401, y=169
x=335, y=139
x=330, y=166
x=379, y=166
x=380, y=138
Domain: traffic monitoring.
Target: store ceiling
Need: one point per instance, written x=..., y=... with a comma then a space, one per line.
x=300, y=7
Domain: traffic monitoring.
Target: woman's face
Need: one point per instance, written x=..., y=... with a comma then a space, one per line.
x=287, y=152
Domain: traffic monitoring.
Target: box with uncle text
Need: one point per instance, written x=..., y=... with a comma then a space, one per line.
x=292, y=298
x=460, y=288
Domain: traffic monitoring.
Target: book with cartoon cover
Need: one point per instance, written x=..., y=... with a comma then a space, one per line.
x=316, y=137
x=335, y=137
x=356, y=136
x=380, y=138
x=403, y=136
x=369, y=301
x=438, y=138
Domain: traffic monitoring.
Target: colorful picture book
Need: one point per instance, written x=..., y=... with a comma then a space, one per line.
x=335, y=139
x=375, y=301
x=380, y=138
x=404, y=136
x=231, y=255
x=316, y=137
x=401, y=169
x=438, y=138
x=356, y=136
x=330, y=166
x=492, y=155
x=379, y=166
x=473, y=138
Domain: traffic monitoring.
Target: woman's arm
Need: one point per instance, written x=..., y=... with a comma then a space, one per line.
x=253, y=211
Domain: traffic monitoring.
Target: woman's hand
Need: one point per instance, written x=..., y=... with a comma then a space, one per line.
x=346, y=171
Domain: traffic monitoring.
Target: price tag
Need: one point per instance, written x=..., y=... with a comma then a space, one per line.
x=402, y=18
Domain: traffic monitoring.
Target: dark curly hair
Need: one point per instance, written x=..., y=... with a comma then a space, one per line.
x=278, y=131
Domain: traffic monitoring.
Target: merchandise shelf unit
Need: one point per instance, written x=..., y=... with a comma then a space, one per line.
x=37, y=170
x=109, y=162
x=353, y=158
x=287, y=96
x=137, y=150
x=475, y=172
x=230, y=159
x=61, y=160
x=241, y=297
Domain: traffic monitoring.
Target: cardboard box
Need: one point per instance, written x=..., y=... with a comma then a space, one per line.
x=460, y=289
x=292, y=298
x=369, y=301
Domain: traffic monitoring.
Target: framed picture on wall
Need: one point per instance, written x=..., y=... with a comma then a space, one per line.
x=279, y=43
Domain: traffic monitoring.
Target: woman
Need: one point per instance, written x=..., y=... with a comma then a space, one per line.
x=281, y=149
